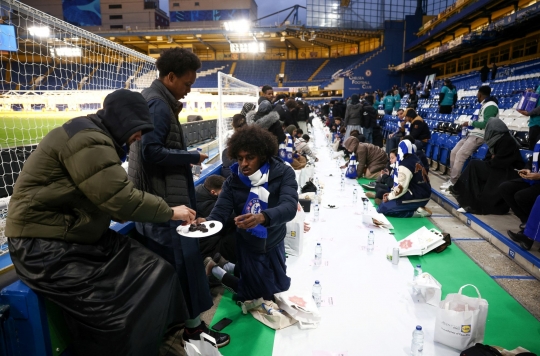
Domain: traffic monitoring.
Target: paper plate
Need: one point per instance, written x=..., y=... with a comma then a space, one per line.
x=331, y=206
x=184, y=230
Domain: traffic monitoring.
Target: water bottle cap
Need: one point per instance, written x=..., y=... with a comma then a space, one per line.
x=418, y=327
x=371, y=231
x=317, y=282
x=318, y=244
x=419, y=266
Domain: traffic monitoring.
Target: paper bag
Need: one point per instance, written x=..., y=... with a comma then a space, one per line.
x=377, y=219
x=294, y=239
x=202, y=347
x=301, y=307
x=420, y=242
x=461, y=320
x=429, y=288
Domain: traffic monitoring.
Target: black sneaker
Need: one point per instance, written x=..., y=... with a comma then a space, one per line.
x=194, y=334
x=370, y=186
x=517, y=236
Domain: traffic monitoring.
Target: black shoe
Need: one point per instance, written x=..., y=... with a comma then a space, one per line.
x=526, y=244
x=517, y=236
x=369, y=186
x=452, y=189
x=194, y=334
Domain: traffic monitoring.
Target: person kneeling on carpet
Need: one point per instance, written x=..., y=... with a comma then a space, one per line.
x=262, y=191
x=385, y=182
x=411, y=191
x=371, y=159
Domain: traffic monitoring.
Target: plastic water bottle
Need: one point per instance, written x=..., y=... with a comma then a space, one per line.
x=318, y=254
x=365, y=202
x=370, y=242
x=354, y=196
x=316, y=293
x=316, y=211
x=342, y=184
x=417, y=345
x=417, y=272
x=464, y=131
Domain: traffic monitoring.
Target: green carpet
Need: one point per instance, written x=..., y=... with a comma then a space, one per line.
x=509, y=324
x=248, y=336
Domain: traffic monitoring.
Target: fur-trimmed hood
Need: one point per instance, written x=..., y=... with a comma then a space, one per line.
x=264, y=122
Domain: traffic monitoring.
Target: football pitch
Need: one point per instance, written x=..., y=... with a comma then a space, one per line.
x=22, y=128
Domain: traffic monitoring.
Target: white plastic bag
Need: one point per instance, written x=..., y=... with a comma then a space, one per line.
x=429, y=288
x=268, y=313
x=294, y=239
x=202, y=347
x=461, y=320
x=306, y=174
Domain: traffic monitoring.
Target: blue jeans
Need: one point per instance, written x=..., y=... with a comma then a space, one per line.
x=392, y=143
x=396, y=209
x=368, y=133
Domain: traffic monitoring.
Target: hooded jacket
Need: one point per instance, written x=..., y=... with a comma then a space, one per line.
x=302, y=147
x=367, y=155
x=159, y=163
x=268, y=122
x=353, y=114
x=205, y=201
x=282, y=203
x=73, y=183
x=419, y=129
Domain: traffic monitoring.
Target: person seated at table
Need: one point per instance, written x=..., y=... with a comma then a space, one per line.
x=262, y=192
x=298, y=161
x=520, y=194
x=299, y=133
x=303, y=149
x=477, y=189
x=417, y=128
x=385, y=182
x=223, y=242
x=335, y=127
x=411, y=191
x=117, y=297
x=371, y=159
x=531, y=231
x=394, y=138
x=238, y=121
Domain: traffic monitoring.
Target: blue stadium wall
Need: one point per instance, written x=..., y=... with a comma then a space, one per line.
x=374, y=74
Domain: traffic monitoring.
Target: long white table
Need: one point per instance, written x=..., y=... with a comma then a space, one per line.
x=373, y=313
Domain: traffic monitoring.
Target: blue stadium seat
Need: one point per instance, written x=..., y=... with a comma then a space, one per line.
x=481, y=152
x=431, y=143
x=441, y=141
x=451, y=142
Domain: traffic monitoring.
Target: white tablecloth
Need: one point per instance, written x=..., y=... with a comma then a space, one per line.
x=373, y=313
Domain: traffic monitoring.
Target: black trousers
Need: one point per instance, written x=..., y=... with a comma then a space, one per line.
x=534, y=136
x=520, y=196
x=445, y=109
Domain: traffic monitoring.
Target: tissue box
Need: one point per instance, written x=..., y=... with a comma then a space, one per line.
x=528, y=101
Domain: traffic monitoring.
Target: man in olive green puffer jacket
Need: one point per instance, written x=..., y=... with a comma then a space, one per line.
x=119, y=298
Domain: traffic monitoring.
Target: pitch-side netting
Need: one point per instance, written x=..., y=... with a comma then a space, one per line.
x=50, y=72
x=233, y=94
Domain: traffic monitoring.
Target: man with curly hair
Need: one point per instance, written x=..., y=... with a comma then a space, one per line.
x=262, y=191
x=160, y=164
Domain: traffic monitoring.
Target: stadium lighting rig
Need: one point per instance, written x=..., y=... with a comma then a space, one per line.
x=238, y=26
x=248, y=47
x=39, y=31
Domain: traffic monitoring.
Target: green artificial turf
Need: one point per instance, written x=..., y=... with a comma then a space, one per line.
x=509, y=324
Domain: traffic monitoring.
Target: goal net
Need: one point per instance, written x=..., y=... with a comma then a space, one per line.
x=233, y=94
x=50, y=72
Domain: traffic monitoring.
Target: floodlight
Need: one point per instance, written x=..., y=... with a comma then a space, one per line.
x=237, y=26
x=67, y=51
x=39, y=31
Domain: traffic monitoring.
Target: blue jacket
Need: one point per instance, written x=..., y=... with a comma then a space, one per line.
x=282, y=204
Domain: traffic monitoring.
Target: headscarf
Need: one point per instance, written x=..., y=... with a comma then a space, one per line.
x=355, y=99
x=405, y=147
x=290, y=129
x=351, y=144
x=247, y=108
x=495, y=129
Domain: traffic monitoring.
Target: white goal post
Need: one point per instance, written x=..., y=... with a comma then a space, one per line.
x=233, y=94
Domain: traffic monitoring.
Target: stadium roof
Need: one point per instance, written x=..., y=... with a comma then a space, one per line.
x=218, y=39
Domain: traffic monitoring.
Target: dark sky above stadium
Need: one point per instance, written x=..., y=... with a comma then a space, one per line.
x=266, y=7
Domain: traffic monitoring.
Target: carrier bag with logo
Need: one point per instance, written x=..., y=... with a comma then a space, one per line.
x=461, y=320
x=294, y=239
x=351, y=169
